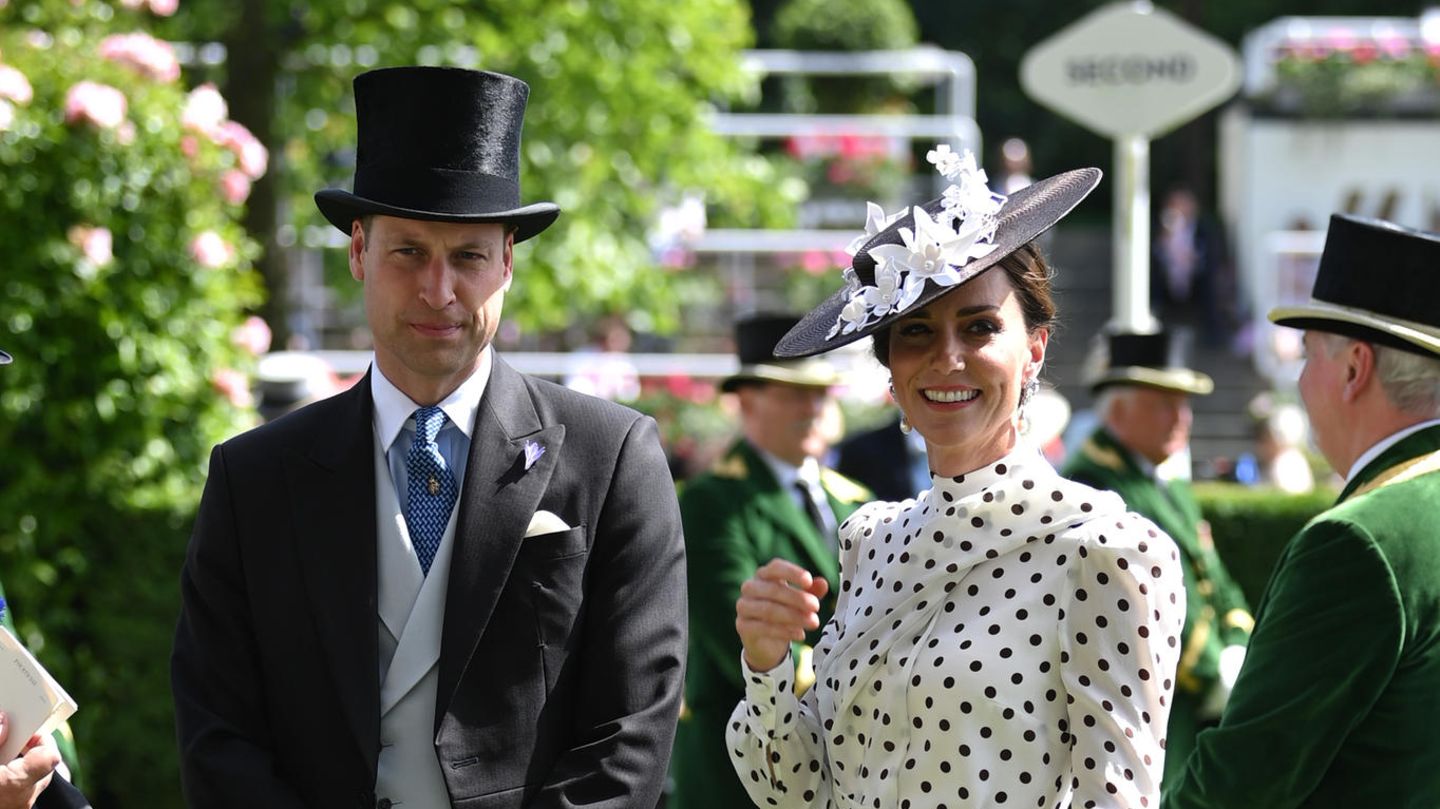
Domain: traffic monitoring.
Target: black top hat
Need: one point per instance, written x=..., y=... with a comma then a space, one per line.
x=441, y=144
x=755, y=339
x=4, y=358
x=1025, y=215
x=1377, y=282
x=1145, y=359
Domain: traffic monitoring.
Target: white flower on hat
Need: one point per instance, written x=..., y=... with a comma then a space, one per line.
x=934, y=248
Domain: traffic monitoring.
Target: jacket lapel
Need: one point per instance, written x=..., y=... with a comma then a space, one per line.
x=780, y=506
x=332, y=487
x=1412, y=446
x=499, y=498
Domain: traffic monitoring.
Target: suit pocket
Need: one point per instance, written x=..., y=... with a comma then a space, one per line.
x=558, y=545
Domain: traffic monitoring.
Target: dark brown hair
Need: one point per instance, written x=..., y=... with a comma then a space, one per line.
x=1029, y=275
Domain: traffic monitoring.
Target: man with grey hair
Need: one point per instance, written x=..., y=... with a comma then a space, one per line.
x=1337, y=703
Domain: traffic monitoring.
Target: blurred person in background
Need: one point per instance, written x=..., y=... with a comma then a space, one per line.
x=1188, y=266
x=1143, y=401
x=768, y=497
x=1337, y=704
x=1278, y=458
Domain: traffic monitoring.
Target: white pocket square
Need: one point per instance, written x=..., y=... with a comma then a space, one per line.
x=545, y=522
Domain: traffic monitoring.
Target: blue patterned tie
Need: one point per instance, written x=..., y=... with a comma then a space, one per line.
x=432, y=487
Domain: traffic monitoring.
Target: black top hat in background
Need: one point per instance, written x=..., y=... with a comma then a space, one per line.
x=755, y=339
x=1378, y=282
x=440, y=144
x=4, y=358
x=1146, y=360
x=1027, y=213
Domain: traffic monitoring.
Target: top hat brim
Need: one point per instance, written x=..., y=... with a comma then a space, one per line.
x=342, y=208
x=1180, y=380
x=1027, y=213
x=4, y=358
x=813, y=373
x=1406, y=335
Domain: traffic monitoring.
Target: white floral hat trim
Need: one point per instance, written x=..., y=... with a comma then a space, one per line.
x=935, y=249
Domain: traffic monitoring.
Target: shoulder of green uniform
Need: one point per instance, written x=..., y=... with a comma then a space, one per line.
x=844, y=489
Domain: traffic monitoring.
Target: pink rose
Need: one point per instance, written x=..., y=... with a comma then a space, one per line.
x=235, y=186
x=233, y=385
x=204, y=110
x=96, y=243
x=164, y=8
x=250, y=152
x=150, y=56
x=7, y=114
x=98, y=104
x=253, y=335
x=14, y=85
x=189, y=146
x=211, y=251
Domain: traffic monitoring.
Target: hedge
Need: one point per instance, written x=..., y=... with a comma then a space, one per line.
x=1252, y=524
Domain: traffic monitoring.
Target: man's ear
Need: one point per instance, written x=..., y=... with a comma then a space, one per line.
x=509, y=258
x=357, y=251
x=1359, y=369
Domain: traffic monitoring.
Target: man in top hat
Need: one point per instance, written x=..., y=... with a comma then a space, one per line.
x=768, y=497
x=31, y=780
x=452, y=584
x=1337, y=704
x=1143, y=402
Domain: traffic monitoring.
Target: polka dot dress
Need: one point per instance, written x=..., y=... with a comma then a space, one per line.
x=1007, y=639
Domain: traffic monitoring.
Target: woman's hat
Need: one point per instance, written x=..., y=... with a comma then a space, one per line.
x=755, y=339
x=1377, y=282
x=4, y=358
x=439, y=144
x=908, y=259
x=1145, y=359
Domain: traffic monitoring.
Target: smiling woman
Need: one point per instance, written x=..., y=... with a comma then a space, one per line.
x=1007, y=634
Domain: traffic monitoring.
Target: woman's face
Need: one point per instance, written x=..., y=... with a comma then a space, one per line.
x=958, y=366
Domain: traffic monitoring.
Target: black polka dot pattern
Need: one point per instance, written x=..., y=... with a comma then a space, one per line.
x=979, y=656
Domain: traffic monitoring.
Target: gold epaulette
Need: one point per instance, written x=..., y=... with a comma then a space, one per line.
x=1108, y=458
x=844, y=489
x=804, y=670
x=1240, y=619
x=731, y=466
x=1194, y=647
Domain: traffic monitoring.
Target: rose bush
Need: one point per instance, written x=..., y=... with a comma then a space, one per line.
x=124, y=275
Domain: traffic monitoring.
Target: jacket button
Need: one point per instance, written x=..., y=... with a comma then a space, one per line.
x=383, y=803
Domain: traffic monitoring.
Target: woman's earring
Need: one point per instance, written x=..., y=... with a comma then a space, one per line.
x=1028, y=391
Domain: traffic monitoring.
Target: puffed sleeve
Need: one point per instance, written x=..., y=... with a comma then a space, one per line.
x=775, y=738
x=1120, y=642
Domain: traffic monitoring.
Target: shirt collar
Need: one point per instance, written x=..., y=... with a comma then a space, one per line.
x=787, y=474
x=393, y=408
x=1386, y=443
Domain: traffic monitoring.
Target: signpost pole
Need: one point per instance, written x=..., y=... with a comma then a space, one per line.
x=1131, y=236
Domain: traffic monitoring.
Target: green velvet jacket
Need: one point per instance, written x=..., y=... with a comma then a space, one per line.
x=1216, y=613
x=1338, y=704
x=737, y=517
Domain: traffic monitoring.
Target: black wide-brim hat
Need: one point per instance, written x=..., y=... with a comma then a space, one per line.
x=439, y=144
x=1027, y=213
x=1378, y=282
x=755, y=339
x=1145, y=360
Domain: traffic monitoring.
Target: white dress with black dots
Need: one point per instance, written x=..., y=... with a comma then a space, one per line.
x=1007, y=639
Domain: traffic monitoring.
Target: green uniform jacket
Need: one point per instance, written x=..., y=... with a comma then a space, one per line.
x=1216, y=614
x=737, y=518
x=1338, y=704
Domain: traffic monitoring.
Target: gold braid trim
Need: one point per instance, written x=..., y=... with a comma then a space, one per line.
x=1413, y=468
x=1108, y=458
x=1194, y=647
x=804, y=670
x=1240, y=619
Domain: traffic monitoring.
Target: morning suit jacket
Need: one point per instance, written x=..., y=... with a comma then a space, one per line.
x=1216, y=613
x=737, y=517
x=1338, y=704
x=562, y=655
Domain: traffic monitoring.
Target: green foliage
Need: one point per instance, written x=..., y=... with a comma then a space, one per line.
x=616, y=125
x=109, y=411
x=1251, y=526
x=845, y=25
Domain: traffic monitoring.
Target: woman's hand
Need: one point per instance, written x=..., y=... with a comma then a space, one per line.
x=777, y=605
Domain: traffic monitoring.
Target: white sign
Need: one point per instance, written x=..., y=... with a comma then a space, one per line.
x=1130, y=69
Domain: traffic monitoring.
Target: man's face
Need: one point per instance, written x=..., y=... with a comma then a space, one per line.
x=785, y=420
x=433, y=295
x=1152, y=423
